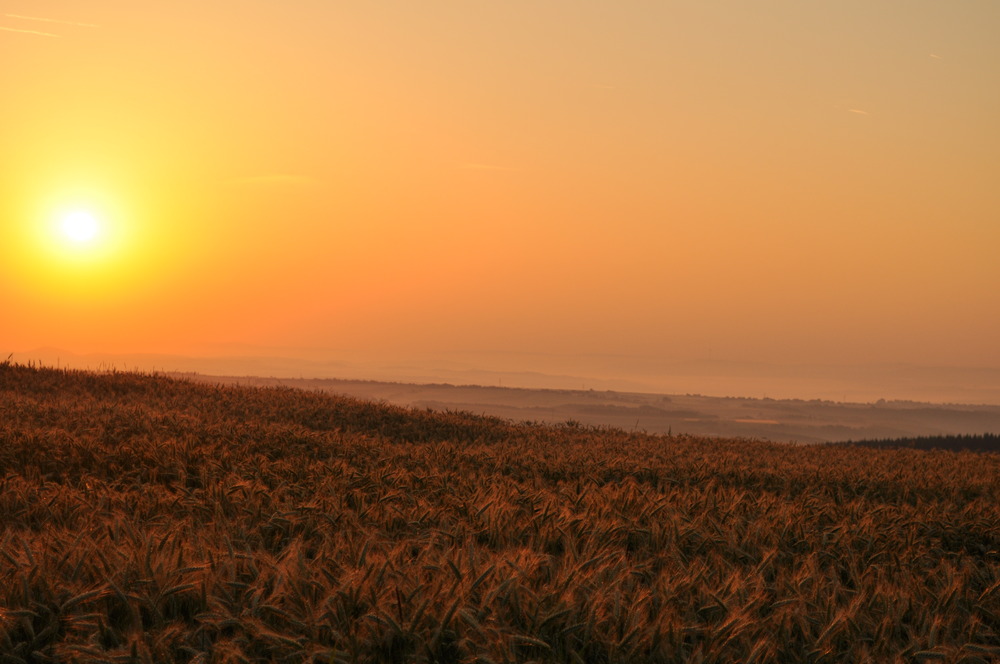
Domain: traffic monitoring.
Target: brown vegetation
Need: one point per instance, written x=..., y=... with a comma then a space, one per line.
x=149, y=519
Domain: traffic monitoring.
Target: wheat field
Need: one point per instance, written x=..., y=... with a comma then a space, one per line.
x=148, y=519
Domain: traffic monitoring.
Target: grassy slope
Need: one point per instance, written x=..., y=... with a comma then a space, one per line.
x=147, y=519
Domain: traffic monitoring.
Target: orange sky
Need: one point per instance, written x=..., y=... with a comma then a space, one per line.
x=779, y=182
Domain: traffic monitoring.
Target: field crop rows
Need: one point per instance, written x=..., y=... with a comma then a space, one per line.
x=144, y=519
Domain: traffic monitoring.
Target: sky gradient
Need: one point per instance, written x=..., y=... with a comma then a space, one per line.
x=777, y=182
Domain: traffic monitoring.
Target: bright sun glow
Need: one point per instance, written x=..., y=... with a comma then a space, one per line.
x=80, y=227
x=80, y=249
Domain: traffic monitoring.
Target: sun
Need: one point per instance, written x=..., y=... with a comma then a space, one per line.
x=80, y=227
x=77, y=245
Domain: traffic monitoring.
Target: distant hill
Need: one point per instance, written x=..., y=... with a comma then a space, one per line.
x=779, y=420
x=622, y=373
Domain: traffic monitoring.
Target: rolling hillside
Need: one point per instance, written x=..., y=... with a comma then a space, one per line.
x=149, y=519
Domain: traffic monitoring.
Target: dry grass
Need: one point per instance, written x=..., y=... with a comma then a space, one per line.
x=152, y=520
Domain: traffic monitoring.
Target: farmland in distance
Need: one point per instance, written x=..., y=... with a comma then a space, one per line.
x=149, y=519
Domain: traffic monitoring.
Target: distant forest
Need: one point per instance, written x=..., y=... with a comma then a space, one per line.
x=987, y=442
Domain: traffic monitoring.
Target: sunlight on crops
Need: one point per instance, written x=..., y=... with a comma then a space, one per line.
x=147, y=519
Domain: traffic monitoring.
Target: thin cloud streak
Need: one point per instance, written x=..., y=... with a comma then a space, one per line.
x=487, y=167
x=28, y=32
x=857, y=110
x=273, y=179
x=51, y=20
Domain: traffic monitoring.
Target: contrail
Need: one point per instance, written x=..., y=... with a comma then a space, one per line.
x=51, y=20
x=30, y=32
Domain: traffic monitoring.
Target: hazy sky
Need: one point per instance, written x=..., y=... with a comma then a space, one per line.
x=768, y=181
